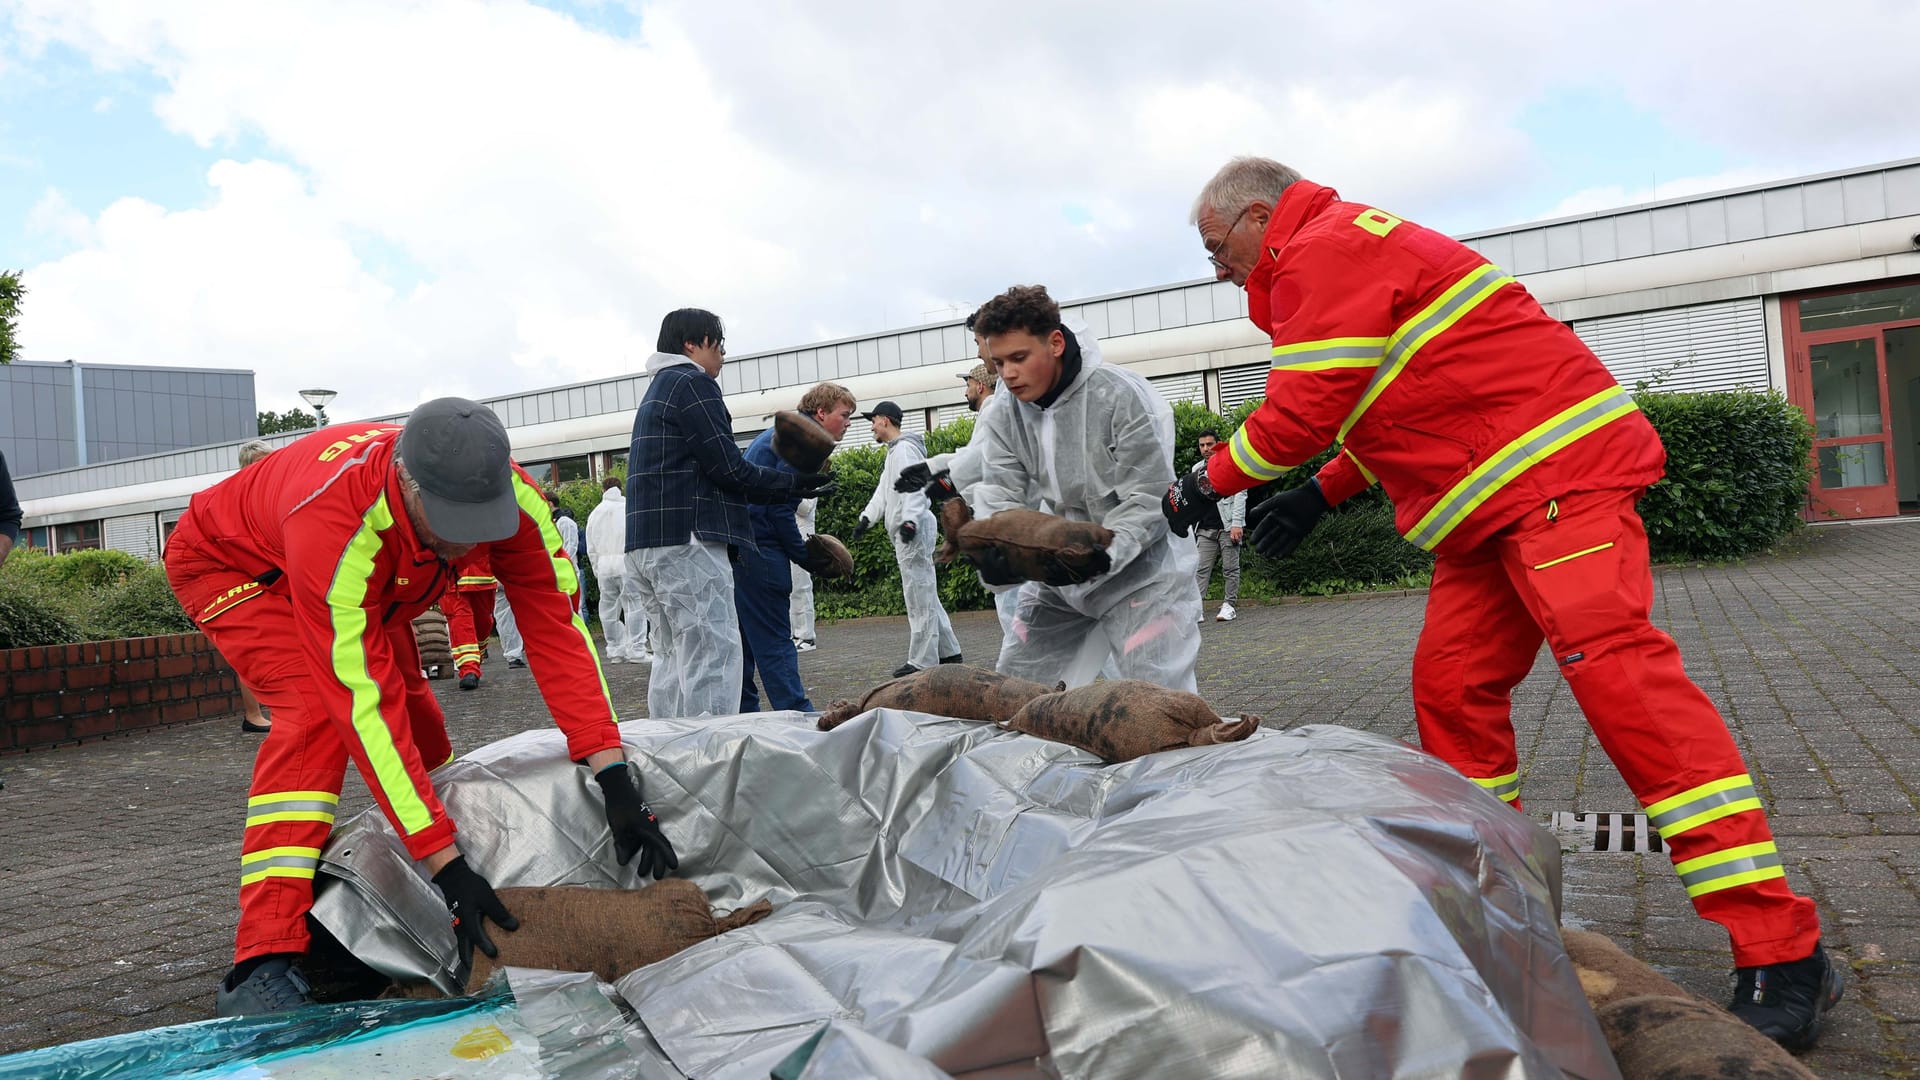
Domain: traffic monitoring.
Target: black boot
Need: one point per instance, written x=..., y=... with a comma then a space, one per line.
x=956, y=658
x=1788, y=1002
x=470, y=680
x=904, y=670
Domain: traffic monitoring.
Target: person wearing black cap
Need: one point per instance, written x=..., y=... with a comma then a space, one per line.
x=909, y=519
x=305, y=571
x=688, y=487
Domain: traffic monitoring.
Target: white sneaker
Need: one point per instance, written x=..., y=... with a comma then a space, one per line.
x=1227, y=614
x=615, y=658
x=642, y=658
x=804, y=646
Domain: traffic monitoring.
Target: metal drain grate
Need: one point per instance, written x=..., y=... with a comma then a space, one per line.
x=1607, y=832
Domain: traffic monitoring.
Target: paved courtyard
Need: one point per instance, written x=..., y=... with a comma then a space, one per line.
x=118, y=859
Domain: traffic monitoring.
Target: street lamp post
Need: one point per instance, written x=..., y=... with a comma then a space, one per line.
x=318, y=399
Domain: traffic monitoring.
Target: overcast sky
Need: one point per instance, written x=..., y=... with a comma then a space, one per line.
x=400, y=200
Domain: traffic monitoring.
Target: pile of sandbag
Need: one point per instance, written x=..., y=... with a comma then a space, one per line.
x=1658, y=1030
x=1117, y=720
x=1024, y=545
x=436, y=645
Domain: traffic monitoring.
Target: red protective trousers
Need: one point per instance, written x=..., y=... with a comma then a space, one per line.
x=297, y=775
x=469, y=615
x=1574, y=573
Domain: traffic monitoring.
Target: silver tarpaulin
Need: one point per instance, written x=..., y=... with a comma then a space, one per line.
x=954, y=899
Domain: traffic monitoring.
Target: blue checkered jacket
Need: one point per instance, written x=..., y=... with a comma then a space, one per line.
x=685, y=474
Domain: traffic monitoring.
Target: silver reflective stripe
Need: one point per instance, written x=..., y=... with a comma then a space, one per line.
x=1512, y=460
x=283, y=806
x=1307, y=357
x=1511, y=787
x=303, y=862
x=1694, y=878
x=1409, y=337
x=1674, y=815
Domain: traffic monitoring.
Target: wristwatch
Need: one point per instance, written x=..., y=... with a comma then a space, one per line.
x=1200, y=479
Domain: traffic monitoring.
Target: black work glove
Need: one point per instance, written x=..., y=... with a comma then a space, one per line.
x=1057, y=573
x=1187, y=501
x=914, y=477
x=908, y=530
x=635, y=829
x=1276, y=526
x=992, y=564
x=471, y=901
x=861, y=529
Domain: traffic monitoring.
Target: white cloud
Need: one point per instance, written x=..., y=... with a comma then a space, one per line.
x=1614, y=196
x=451, y=196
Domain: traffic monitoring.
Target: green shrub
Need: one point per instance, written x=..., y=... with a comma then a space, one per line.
x=1738, y=466
x=91, y=569
x=33, y=613
x=140, y=605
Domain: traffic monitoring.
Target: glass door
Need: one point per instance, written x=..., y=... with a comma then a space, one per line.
x=1847, y=392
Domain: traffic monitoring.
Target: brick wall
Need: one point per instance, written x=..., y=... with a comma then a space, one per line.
x=66, y=693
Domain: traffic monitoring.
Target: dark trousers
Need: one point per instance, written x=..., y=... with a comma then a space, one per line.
x=766, y=638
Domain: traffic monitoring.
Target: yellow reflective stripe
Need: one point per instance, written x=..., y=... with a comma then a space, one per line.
x=1507, y=787
x=1361, y=465
x=278, y=871
x=487, y=580
x=345, y=597
x=1575, y=555
x=534, y=505
x=294, y=862
x=1746, y=877
x=1512, y=460
x=1329, y=354
x=1250, y=460
x=1435, y=319
x=1706, y=803
x=1730, y=867
x=292, y=796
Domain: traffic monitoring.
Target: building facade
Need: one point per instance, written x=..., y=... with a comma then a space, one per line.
x=1810, y=287
x=58, y=416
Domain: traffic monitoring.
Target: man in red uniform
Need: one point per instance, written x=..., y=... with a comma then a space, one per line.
x=468, y=606
x=1513, y=455
x=306, y=571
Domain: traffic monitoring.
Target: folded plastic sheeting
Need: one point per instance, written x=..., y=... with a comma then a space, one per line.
x=954, y=899
x=557, y=1026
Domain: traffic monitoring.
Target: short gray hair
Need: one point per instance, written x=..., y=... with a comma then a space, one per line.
x=253, y=452
x=1241, y=183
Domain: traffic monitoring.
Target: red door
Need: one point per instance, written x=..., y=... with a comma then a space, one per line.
x=1842, y=384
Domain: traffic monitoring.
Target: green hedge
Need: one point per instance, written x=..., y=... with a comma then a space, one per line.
x=1738, y=466
x=84, y=596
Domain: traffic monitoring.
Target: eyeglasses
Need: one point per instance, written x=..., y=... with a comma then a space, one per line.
x=1213, y=253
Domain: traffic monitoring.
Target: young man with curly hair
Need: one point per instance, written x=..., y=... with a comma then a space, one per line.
x=1090, y=442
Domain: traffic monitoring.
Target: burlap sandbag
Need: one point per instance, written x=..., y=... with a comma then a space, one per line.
x=1670, y=1038
x=1608, y=974
x=1037, y=546
x=1127, y=718
x=430, y=636
x=800, y=441
x=967, y=693
x=606, y=931
x=830, y=557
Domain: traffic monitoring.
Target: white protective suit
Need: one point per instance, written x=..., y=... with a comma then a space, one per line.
x=967, y=467
x=929, y=633
x=800, y=603
x=622, y=618
x=687, y=591
x=1102, y=452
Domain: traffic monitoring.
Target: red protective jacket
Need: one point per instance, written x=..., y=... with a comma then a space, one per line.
x=327, y=514
x=1433, y=370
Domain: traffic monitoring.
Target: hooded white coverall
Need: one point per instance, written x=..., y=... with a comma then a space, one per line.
x=929, y=633
x=1102, y=452
x=622, y=619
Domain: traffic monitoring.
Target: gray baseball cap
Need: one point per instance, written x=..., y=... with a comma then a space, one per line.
x=457, y=451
